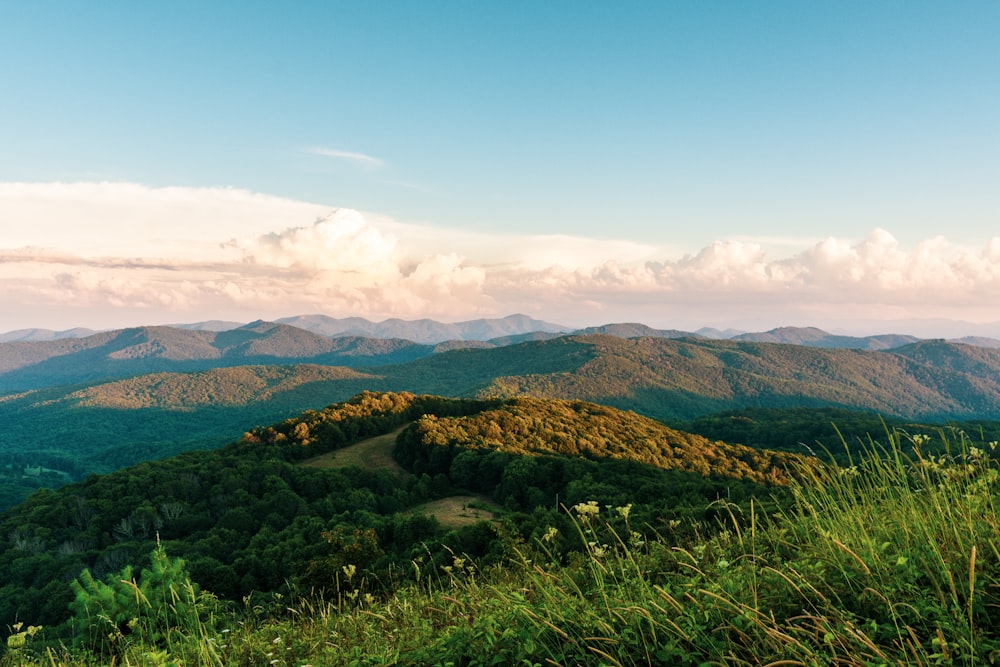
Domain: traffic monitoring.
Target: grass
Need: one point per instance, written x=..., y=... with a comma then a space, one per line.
x=459, y=511
x=893, y=561
x=371, y=454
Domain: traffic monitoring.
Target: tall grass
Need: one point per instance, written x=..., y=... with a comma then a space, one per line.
x=891, y=561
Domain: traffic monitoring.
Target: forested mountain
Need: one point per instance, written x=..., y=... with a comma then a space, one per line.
x=636, y=330
x=684, y=378
x=250, y=518
x=813, y=337
x=32, y=359
x=127, y=352
x=62, y=435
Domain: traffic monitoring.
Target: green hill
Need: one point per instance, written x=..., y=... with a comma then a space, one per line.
x=249, y=518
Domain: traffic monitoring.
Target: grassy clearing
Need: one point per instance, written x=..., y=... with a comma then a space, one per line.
x=371, y=454
x=459, y=511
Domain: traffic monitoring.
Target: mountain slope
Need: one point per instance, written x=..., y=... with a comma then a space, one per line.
x=636, y=330
x=575, y=428
x=81, y=429
x=813, y=337
x=127, y=352
x=668, y=378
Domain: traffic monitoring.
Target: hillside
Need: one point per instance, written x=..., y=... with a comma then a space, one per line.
x=680, y=379
x=100, y=428
x=531, y=426
x=250, y=518
x=128, y=352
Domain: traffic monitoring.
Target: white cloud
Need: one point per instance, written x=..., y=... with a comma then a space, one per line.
x=131, y=220
x=111, y=254
x=360, y=158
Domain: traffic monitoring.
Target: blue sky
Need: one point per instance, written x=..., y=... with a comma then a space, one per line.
x=685, y=140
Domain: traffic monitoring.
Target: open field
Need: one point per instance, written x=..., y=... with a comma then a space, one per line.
x=459, y=511
x=373, y=454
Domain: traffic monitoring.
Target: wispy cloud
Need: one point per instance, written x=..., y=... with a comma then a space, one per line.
x=362, y=159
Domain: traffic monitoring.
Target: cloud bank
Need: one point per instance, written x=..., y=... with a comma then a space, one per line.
x=104, y=255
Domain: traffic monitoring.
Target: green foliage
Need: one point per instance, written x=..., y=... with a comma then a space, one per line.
x=574, y=428
x=159, y=608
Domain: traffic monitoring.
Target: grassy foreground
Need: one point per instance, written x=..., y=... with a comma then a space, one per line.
x=893, y=561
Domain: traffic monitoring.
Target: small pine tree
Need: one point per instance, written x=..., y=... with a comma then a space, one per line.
x=162, y=601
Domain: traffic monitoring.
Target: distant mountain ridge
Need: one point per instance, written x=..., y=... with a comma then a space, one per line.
x=37, y=335
x=140, y=350
x=424, y=330
x=636, y=330
x=813, y=337
x=518, y=328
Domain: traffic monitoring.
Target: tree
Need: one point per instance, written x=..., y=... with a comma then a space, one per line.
x=161, y=602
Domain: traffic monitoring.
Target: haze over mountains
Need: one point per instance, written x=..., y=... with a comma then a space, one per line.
x=428, y=331
x=30, y=362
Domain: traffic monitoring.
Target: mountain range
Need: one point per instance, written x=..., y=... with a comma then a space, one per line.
x=187, y=390
x=514, y=328
x=32, y=359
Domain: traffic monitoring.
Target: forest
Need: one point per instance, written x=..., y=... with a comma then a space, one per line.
x=269, y=536
x=250, y=519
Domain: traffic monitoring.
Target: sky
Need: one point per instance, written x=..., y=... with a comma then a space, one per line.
x=738, y=165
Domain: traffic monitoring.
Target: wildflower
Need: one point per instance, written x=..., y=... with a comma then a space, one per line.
x=586, y=511
x=349, y=570
x=550, y=534
x=599, y=551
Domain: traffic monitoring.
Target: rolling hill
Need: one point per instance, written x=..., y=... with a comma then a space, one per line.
x=253, y=517
x=813, y=337
x=683, y=378
x=129, y=352
x=662, y=378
